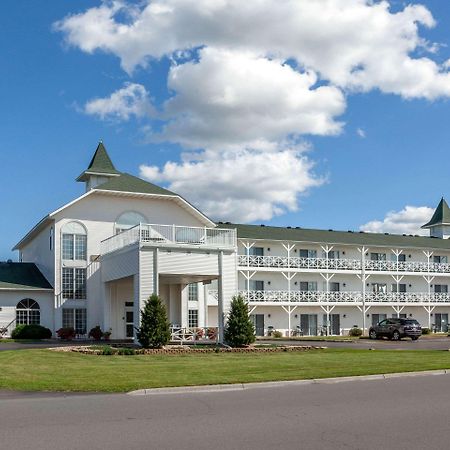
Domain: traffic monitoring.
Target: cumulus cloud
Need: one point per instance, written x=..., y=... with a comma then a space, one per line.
x=131, y=100
x=246, y=186
x=247, y=82
x=354, y=44
x=407, y=221
x=235, y=98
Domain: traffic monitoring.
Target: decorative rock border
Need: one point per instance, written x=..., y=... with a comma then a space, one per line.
x=183, y=350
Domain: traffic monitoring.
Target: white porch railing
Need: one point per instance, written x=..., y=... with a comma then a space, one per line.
x=7, y=328
x=196, y=334
x=341, y=264
x=154, y=234
x=344, y=297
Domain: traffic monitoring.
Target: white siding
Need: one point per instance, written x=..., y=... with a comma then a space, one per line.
x=194, y=263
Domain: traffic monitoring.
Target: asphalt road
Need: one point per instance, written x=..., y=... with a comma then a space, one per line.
x=400, y=413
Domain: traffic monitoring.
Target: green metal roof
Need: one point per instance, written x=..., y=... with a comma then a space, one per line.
x=335, y=237
x=22, y=276
x=100, y=163
x=129, y=183
x=441, y=215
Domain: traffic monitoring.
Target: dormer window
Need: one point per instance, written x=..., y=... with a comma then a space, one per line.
x=128, y=220
x=74, y=242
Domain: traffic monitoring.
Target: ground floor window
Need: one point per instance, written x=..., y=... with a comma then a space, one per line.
x=193, y=318
x=376, y=318
x=258, y=323
x=74, y=318
x=308, y=324
x=28, y=312
x=441, y=322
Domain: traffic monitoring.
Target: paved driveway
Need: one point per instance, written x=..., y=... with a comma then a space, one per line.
x=402, y=413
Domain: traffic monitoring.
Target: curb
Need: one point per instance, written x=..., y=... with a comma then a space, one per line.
x=269, y=384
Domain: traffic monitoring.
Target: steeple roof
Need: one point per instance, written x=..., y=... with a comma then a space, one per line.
x=441, y=215
x=100, y=164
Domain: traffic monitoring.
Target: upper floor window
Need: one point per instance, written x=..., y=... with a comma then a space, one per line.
x=440, y=259
x=73, y=283
x=128, y=220
x=74, y=242
x=401, y=287
x=440, y=288
x=378, y=256
x=193, y=292
x=308, y=285
x=256, y=251
x=304, y=253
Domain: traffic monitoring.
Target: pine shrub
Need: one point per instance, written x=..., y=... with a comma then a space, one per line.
x=154, y=331
x=239, y=330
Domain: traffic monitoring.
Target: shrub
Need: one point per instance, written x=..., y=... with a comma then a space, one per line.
x=277, y=334
x=355, y=332
x=126, y=351
x=31, y=332
x=239, y=330
x=107, y=350
x=96, y=333
x=154, y=331
x=426, y=330
x=66, y=333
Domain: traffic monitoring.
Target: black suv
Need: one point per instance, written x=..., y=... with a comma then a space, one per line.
x=395, y=329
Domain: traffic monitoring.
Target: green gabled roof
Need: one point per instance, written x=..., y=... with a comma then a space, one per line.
x=441, y=215
x=335, y=237
x=22, y=276
x=100, y=164
x=128, y=183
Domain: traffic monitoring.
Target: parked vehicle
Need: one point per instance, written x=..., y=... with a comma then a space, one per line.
x=396, y=329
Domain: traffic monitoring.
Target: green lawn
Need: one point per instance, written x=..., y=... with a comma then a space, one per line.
x=47, y=370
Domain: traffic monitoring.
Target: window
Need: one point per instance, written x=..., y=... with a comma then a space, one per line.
x=308, y=285
x=379, y=288
x=401, y=257
x=74, y=242
x=28, y=312
x=440, y=259
x=378, y=256
x=256, y=285
x=334, y=254
x=193, y=292
x=440, y=288
x=128, y=220
x=256, y=251
x=74, y=318
x=376, y=318
x=193, y=318
x=396, y=316
x=73, y=283
x=334, y=287
x=304, y=253
x=401, y=287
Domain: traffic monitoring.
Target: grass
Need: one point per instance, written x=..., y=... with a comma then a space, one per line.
x=19, y=341
x=46, y=370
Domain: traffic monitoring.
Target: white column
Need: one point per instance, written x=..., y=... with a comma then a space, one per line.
x=184, y=306
x=220, y=312
x=201, y=304
x=136, y=304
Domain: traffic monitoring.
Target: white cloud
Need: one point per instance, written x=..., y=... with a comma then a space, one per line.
x=131, y=100
x=361, y=133
x=246, y=186
x=407, y=221
x=234, y=98
x=365, y=45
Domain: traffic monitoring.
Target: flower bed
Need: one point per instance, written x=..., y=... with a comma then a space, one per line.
x=180, y=350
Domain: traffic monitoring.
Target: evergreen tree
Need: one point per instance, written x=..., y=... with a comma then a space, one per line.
x=239, y=330
x=154, y=331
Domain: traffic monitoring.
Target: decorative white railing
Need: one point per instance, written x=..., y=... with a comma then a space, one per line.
x=7, y=328
x=202, y=334
x=154, y=234
x=344, y=297
x=341, y=264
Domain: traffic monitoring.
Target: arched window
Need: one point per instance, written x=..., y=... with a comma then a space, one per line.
x=128, y=220
x=28, y=312
x=74, y=242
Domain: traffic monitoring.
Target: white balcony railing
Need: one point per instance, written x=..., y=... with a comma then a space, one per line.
x=344, y=297
x=154, y=234
x=193, y=334
x=341, y=264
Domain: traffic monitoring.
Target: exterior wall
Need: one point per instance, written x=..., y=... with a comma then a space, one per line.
x=118, y=292
x=38, y=251
x=10, y=299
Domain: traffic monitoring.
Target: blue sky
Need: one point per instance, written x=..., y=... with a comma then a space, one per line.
x=397, y=159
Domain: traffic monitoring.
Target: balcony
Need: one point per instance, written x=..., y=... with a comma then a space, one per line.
x=283, y=262
x=160, y=235
x=344, y=297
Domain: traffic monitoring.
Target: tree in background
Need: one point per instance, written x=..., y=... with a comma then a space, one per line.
x=154, y=331
x=239, y=330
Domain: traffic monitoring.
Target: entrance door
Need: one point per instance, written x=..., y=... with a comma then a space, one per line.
x=129, y=320
x=441, y=321
x=335, y=324
x=258, y=323
x=308, y=324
